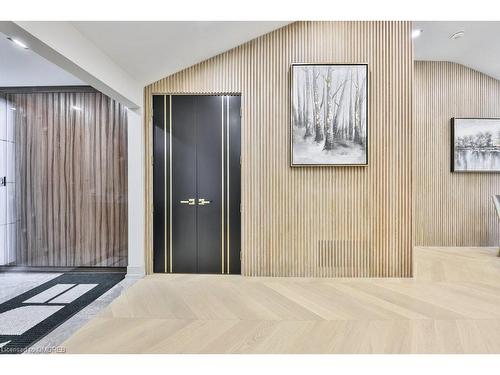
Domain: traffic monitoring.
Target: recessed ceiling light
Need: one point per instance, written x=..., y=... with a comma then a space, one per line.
x=457, y=35
x=76, y=108
x=18, y=42
x=416, y=33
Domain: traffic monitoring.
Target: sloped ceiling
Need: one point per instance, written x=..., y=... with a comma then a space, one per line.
x=149, y=51
x=478, y=49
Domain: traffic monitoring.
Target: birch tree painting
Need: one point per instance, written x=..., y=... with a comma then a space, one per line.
x=329, y=114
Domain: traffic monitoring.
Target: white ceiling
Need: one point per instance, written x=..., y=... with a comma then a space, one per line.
x=478, y=49
x=23, y=67
x=149, y=51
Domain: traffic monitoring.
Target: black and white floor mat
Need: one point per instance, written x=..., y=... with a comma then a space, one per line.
x=28, y=317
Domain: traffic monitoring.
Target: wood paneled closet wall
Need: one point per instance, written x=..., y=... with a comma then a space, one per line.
x=71, y=178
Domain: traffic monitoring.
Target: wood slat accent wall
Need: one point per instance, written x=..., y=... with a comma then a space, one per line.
x=451, y=209
x=71, y=189
x=326, y=221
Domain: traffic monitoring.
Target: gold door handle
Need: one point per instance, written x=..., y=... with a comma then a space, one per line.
x=190, y=201
x=203, y=201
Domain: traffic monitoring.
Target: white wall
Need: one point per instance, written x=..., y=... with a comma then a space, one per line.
x=136, y=193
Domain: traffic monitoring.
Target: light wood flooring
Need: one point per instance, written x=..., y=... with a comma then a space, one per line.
x=451, y=306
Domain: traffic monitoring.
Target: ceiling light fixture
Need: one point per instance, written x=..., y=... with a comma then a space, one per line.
x=416, y=33
x=457, y=35
x=12, y=108
x=76, y=108
x=18, y=42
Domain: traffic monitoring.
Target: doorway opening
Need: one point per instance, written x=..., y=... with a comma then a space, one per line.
x=196, y=184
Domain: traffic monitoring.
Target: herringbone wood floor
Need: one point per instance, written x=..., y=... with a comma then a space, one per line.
x=451, y=306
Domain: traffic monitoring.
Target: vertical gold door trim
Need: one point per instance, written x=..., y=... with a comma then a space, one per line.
x=227, y=183
x=170, y=182
x=165, y=172
x=222, y=187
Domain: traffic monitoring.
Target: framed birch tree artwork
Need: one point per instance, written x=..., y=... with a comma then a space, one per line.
x=475, y=145
x=329, y=115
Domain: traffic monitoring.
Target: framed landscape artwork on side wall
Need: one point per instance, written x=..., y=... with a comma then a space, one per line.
x=475, y=145
x=329, y=115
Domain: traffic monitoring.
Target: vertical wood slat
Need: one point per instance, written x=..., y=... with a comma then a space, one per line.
x=330, y=222
x=451, y=209
x=71, y=195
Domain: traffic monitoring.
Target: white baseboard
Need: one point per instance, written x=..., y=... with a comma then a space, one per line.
x=135, y=272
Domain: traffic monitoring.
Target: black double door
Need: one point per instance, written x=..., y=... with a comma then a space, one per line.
x=196, y=183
